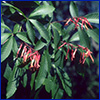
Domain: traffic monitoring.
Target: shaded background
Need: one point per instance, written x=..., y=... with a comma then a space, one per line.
x=84, y=87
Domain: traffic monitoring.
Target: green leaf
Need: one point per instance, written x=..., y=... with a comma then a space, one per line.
x=84, y=39
x=75, y=37
x=93, y=34
x=73, y=9
x=47, y=84
x=58, y=27
x=16, y=28
x=93, y=17
x=30, y=31
x=32, y=80
x=42, y=10
x=56, y=38
x=6, y=49
x=4, y=36
x=15, y=47
x=5, y=26
x=12, y=82
x=39, y=45
x=59, y=94
x=43, y=32
x=23, y=36
x=20, y=12
x=69, y=29
x=24, y=82
x=2, y=29
x=12, y=10
x=65, y=81
x=42, y=71
x=7, y=72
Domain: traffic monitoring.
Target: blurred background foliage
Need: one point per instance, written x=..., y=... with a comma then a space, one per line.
x=84, y=86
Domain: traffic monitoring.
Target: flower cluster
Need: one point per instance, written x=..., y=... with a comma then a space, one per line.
x=83, y=55
x=28, y=53
x=76, y=21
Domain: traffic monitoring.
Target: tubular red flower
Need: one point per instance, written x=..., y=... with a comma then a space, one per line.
x=19, y=49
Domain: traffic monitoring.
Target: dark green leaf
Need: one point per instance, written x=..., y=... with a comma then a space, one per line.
x=93, y=17
x=93, y=34
x=69, y=29
x=6, y=49
x=65, y=81
x=42, y=10
x=24, y=80
x=47, y=84
x=12, y=82
x=73, y=9
x=4, y=36
x=32, y=80
x=5, y=26
x=56, y=38
x=84, y=39
x=15, y=47
x=42, y=71
x=7, y=72
x=43, y=32
x=39, y=45
x=23, y=36
x=30, y=31
x=59, y=94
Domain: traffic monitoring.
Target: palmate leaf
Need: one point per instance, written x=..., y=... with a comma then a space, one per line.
x=42, y=30
x=73, y=9
x=42, y=71
x=6, y=49
x=42, y=10
x=93, y=17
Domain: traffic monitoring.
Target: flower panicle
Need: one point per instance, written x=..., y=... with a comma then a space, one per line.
x=83, y=55
x=29, y=53
x=76, y=20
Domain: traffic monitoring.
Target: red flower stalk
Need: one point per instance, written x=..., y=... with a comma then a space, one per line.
x=73, y=52
x=75, y=20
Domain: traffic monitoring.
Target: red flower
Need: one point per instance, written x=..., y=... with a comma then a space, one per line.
x=67, y=53
x=73, y=54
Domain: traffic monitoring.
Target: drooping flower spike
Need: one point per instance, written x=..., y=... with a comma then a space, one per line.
x=83, y=55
